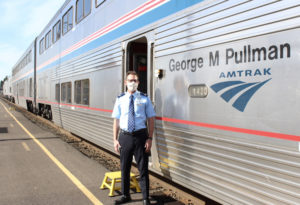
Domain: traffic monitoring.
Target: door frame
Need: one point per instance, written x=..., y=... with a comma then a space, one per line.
x=149, y=35
x=150, y=59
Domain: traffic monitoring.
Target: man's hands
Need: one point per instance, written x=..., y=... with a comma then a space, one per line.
x=116, y=128
x=148, y=145
x=117, y=146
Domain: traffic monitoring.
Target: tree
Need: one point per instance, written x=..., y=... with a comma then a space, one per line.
x=2, y=82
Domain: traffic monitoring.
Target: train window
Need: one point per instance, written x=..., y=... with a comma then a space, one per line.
x=68, y=21
x=29, y=56
x=25, y=61
x=57, y=92
x=66, y=89
x=42, y=46
x=83, y=8
x=77, y=92
x=98, y=2
x=56, y=31
x=87, y=7
x=79, y=10
x=30, y=87
x=21, y=88
x=63, y=92
x=69, y=92
x=86, y=92
x=82, y=92
x=48, y=40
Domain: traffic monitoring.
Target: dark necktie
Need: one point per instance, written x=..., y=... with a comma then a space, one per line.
x=131, y=115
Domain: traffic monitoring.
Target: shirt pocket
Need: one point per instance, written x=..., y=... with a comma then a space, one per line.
x=140, y=108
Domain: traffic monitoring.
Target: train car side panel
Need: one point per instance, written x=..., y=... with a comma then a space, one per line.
x=228, y=120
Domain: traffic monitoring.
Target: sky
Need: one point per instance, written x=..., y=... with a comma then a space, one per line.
x=20, y=22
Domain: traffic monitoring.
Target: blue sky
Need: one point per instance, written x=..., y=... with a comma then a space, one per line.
x=21, y=21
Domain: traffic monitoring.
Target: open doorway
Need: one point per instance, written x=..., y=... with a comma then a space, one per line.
x=137, y=61
x=138, y=56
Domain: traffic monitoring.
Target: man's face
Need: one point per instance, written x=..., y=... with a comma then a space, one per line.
x=132, y=83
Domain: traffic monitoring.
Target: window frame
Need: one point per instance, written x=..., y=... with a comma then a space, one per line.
x=96, y=3
x=54, y=28
x=57, y=95
x=30, y=87
x=81, y=92
x=62, y=20
x=66, y=93
x=41, y=51
x=76, y=93
x=49, y=40
x=84, y=15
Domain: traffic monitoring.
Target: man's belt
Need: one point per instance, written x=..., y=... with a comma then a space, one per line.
x=141, y=131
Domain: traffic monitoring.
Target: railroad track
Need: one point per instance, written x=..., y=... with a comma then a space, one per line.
x=161, y=189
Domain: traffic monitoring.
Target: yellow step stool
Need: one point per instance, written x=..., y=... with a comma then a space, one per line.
x=111, y=178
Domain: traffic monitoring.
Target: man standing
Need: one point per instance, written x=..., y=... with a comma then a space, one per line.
x=132, y=112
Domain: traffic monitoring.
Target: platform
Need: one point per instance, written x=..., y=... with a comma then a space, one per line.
x=30, y=176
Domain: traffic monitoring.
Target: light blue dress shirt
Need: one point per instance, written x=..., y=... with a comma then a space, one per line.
x=143, y=109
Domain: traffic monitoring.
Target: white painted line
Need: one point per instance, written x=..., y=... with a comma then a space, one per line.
x=25, y=146
x=76, y=181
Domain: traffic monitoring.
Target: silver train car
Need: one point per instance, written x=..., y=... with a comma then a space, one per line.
x=222, y=75
x=23, y=79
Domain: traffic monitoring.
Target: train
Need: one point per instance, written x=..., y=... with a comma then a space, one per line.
x=221, y=74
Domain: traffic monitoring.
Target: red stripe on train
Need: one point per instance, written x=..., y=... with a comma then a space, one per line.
x=200, y=124
x=233, y=129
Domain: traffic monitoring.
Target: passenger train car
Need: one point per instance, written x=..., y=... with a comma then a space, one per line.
x=223, y=76
x=23, y=79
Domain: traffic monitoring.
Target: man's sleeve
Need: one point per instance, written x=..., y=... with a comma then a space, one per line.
x=149, y=109
x=116, y=111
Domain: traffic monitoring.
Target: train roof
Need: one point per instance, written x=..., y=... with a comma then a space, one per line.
x=59, y=11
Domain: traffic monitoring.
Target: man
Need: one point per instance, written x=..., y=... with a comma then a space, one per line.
x=132, y=112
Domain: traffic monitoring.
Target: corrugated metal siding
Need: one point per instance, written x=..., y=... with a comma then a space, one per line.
x=56, y=115
x=229, y=21
x=246, y=173
x=95, y=126
x=93, y=61
x=89, y=125
x=227, y=170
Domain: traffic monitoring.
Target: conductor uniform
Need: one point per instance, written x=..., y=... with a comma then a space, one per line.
x=133, y=135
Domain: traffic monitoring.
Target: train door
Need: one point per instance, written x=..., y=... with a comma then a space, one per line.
x=138, y=56
x=137, y=61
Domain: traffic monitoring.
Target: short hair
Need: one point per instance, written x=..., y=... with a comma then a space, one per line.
x=132, y=72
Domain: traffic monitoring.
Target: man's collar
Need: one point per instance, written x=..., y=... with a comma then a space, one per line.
x=134, y=94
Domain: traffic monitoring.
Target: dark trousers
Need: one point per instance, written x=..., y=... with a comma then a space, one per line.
x=134, y=144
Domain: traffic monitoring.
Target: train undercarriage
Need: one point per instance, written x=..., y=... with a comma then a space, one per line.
x=43, y=110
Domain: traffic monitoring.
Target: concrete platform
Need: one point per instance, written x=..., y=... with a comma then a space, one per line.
x=39, y=168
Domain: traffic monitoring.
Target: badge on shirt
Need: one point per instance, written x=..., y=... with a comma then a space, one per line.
x=139, y=101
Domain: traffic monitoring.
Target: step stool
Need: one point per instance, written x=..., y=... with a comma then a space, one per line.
x=111, y=178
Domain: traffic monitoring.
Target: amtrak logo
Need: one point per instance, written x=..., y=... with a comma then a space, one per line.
x=236, y=87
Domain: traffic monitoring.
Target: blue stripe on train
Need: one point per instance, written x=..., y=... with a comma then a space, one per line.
x=158, y=13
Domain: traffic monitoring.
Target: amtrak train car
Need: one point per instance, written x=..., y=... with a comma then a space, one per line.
x=23, y=79
x=222, y=75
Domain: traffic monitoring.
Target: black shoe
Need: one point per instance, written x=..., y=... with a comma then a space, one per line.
x=123, y=200
x=146, y=202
